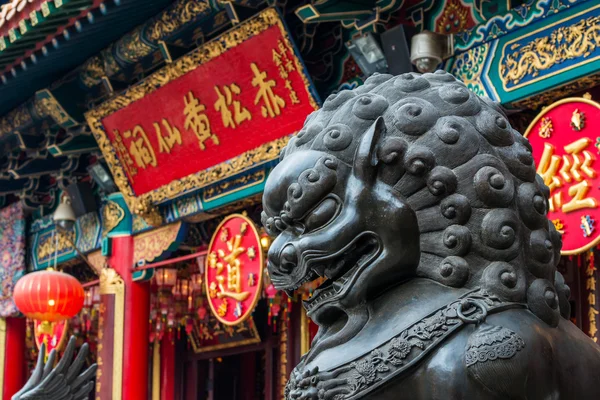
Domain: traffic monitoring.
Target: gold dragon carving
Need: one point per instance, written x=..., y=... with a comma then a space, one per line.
x=62, y=242
x=564, y=43
x=92, y=71
x=143, y=207
x=133, y=47
x=112, y=214
x=173, y=19
x=14, y=120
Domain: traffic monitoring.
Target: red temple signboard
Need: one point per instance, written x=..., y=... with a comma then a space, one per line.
x=565, y=145
x=210, y=335
x=233, y=270
x=240, y=95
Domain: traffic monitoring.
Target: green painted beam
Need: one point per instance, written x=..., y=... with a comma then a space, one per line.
x=76, y=145
x=37, y=26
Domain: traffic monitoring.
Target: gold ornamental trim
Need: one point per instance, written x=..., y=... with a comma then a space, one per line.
x=112, y=215
x=173, y=19
x=111, y=283
x=46, y=104
x=572, y=42
x=149, y=246
x=187, y=63
x=549, y=96
x=98, y=261
x=156, y=371
x=255, y=338
x=304, y=332
x=284, y=372
x=2, y=352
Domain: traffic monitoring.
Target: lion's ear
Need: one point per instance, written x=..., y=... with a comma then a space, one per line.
x=365, y=159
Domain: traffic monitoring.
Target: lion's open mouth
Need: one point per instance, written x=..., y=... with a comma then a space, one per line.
x=340, y=268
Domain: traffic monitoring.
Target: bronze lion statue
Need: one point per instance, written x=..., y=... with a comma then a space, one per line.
x=421, y=206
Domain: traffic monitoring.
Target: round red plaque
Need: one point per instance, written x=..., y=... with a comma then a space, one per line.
x=233, y=269
x=565, y=147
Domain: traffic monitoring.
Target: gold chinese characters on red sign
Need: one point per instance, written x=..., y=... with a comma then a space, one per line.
x=239, y=95
x=233, y=270
x=565, y=146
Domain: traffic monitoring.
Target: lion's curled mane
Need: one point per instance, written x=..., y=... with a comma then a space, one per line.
x=467, y=174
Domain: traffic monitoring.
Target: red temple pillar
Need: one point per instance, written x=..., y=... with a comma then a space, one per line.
x=137, y=313
x=13, y=365
x=167, y=368
x=129, y=353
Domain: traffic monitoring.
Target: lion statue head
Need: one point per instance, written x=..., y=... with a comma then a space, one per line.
x=410, y=176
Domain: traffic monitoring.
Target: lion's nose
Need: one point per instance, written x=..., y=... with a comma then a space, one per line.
x=289, y=259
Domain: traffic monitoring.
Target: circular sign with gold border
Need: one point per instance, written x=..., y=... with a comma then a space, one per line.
x=233, y=269
x=565, y=145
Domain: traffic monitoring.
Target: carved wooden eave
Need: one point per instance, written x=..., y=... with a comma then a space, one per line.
x=171, y=26
x=23, y=26
x=184, y=23
x=32, y=61
x=45, y=134
x=33, y=176
x=440, y=16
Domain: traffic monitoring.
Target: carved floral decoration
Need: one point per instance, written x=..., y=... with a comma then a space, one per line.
x=151, y=245
x=546, y=128
x=577, y=120
x=405, y=350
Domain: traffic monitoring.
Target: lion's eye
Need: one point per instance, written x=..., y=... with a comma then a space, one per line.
x=321, y=215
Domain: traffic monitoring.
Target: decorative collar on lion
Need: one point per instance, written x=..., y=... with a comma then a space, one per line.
x=421, y=207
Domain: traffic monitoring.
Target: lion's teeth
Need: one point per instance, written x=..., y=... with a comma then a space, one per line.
x=338, y=286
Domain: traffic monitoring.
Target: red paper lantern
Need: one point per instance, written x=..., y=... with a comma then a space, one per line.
x=49, y=296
